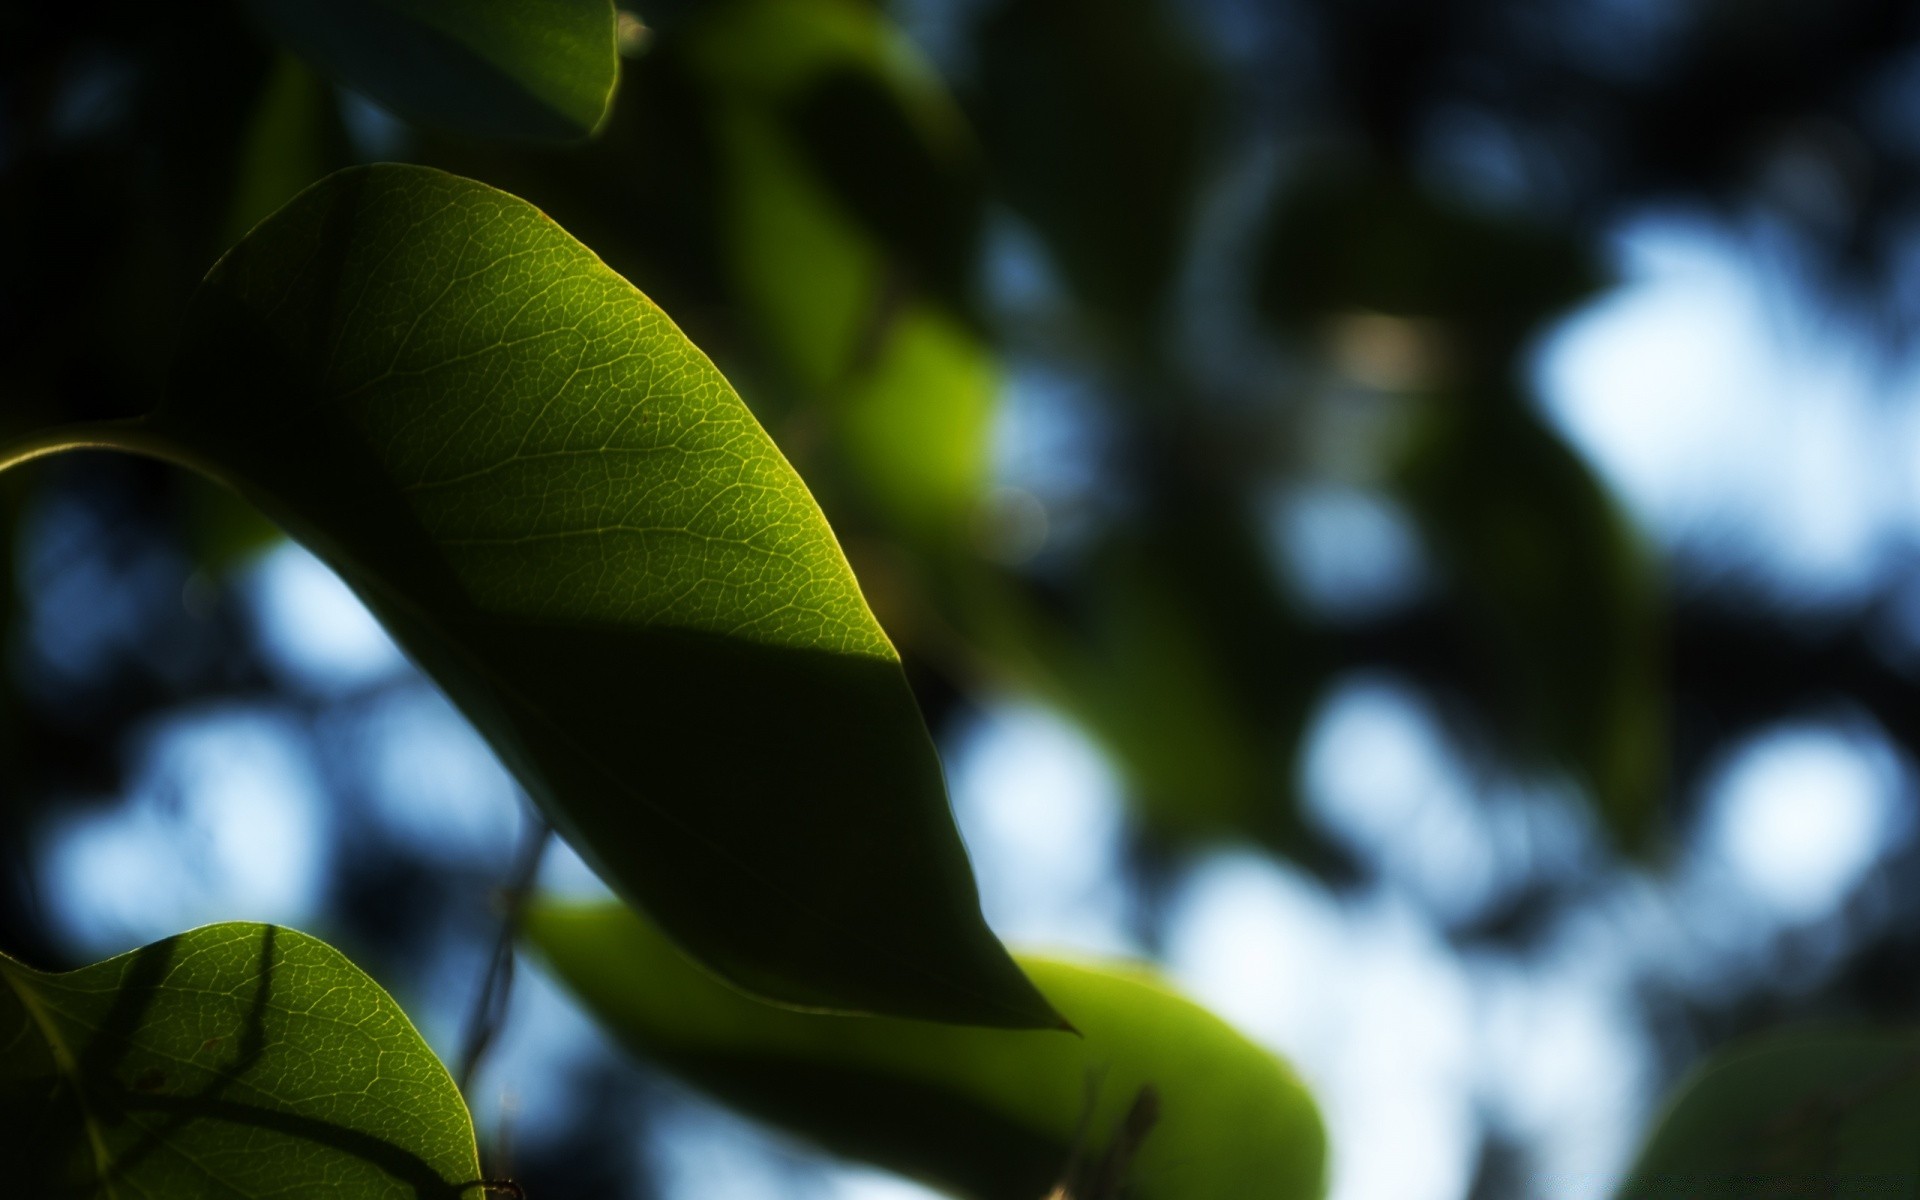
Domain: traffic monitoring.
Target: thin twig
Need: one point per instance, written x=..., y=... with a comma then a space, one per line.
x=496, y=987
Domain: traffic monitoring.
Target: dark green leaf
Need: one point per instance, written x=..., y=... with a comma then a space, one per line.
x=986, y=1113
x=1350, y=237
x=913, y=186
x=1811, y=1114
x=567, y=516
x=844, y=98
x=491, y=68
x=1558, y=599
x=236, y=1060
x=1092, y=114
x=1562, y=599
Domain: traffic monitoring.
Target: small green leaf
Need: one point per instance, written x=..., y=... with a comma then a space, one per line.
x=1814, y=1113
x=986, y=1113
x=490, y=68
x=567, y=517
x=236, y=1060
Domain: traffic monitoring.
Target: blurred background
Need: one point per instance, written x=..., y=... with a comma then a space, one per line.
x=1404, y=512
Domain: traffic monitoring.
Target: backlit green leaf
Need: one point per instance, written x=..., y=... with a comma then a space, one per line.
x=491, y=68
x=1815, y=1113
x=986, y=1113
x=565, y=514
x=237, y=1060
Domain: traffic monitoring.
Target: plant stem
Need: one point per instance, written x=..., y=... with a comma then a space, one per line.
x=490, y=1006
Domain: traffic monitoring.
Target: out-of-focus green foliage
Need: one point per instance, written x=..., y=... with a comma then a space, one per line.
x=1811, y=1113
x=1094, y=118
x=294, y=138
x=1563, y=600
x=815, y=219
x=1230, y=225
x=1560, y=594
x=1185, y=664
x=236, y=1060
x=849, y=225
x=568, y=517
x=989, y=1114
x=489, y=68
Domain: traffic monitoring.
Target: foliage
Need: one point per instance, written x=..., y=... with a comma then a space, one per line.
x=495, y=69
x=982, y=1112
x=568, y=516
x=1804, y=1113
x=238, y=1060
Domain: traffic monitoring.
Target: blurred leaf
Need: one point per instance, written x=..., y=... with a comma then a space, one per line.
x=567, y=516
x=239, y=1060
x=987, y=1114
x=1177, y=656
x=1808, y=1114
x=294, y=139
x=888, y=143
x=488, y=68
x=1564, y=595
x=1559, y=594
x=916, y=425
x=1092, y=116
x=1353, y=238
x=851, y=206
x=866, y=120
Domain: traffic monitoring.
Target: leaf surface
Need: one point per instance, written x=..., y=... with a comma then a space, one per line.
x=985, y=1113
x=570, y=520
x=236, y=1060
x=489, y=68
x=1824, y=1112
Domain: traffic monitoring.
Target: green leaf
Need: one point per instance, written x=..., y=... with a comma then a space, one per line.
x=985, y=1113
x=568, y=518
x=1814, y=1113
x=489, y=68
x=236, y=1060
